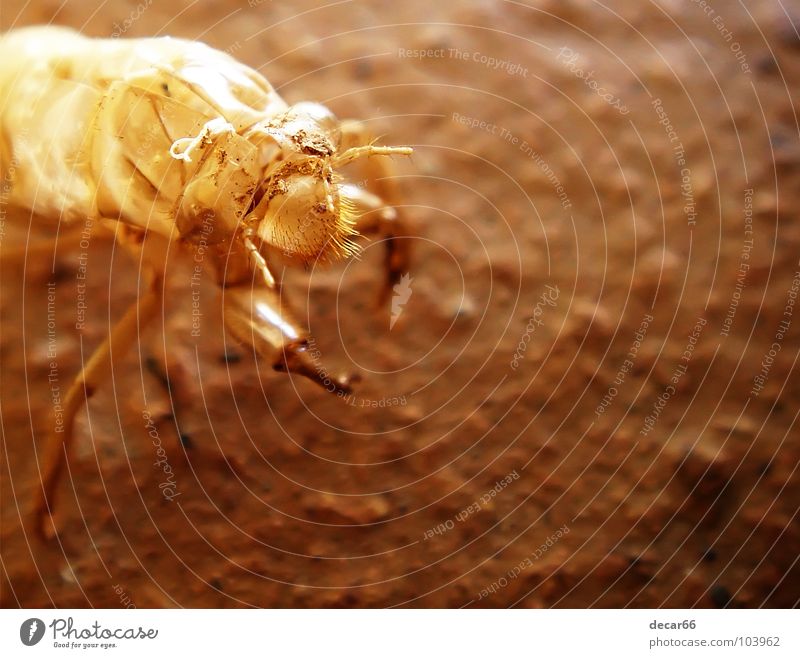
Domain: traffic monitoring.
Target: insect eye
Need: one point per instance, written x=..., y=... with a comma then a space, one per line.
x=320, y=117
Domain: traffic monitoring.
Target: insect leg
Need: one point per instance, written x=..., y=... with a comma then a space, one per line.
x=375, y=217
x=378, y=202
x=94, y=374
x=257, y=316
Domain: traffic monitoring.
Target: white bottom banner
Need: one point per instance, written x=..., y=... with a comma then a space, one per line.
x=399, y=633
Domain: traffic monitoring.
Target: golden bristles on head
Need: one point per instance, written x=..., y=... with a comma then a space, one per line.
x=342, y=240
x=303, y=212
x=304, y=217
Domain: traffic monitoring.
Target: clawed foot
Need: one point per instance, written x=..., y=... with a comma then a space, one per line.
x=297, y=358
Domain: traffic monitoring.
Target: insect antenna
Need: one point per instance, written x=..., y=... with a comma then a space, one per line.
x=356, y=152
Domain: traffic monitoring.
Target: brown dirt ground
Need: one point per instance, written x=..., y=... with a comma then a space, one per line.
x=290, y=498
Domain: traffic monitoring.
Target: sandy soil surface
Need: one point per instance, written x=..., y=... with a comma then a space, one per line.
x=577, y=406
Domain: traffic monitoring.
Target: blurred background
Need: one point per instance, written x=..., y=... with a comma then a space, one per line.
x=580, y=401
